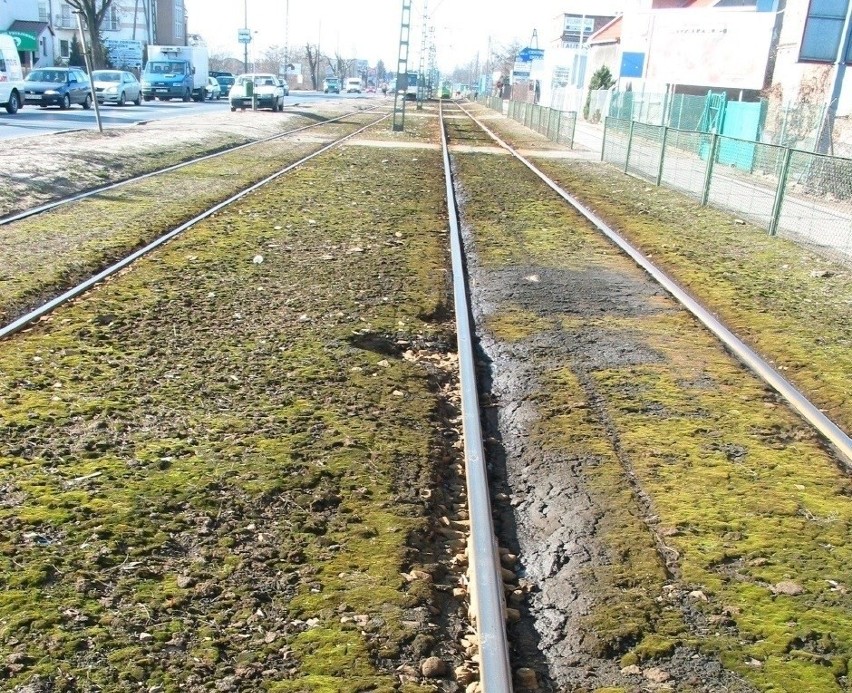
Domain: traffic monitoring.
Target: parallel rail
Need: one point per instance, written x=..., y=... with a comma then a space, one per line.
x=805, y=408
x=51, y=305
x=47, y=206
x=487, y=595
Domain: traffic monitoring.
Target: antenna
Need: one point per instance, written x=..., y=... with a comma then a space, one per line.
x=534, y=39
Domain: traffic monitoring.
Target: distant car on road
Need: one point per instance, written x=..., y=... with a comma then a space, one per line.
x=265, y=89
x=57, y=86
x=213, y=89
x=225, y=79
x=353, y=84
x=331, y=85
x=116, y=86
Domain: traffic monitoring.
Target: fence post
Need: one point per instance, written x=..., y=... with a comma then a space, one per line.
x=779, y=193
x=629, y=146
x=603, y=141
x=558, y=126
x=708, y=175
x=574, y=129
x=662, y=156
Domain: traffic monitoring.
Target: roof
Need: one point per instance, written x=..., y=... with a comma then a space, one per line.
x=608, y=33
x=34, y=28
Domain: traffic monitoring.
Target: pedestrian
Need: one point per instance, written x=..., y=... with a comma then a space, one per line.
x=384, y=89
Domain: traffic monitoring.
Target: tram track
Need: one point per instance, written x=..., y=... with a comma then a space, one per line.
x=611, y=417
x=77, y=197
x=71, y=242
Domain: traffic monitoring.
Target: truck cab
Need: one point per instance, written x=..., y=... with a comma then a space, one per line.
x=175, y=72
x=331, y=85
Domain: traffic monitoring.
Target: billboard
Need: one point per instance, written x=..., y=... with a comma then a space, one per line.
x=706, y=47
x=124, y=54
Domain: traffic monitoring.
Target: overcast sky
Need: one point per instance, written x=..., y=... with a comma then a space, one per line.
x=369, y=29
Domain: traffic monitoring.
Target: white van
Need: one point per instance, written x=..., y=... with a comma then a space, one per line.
x=353, y=84
x=11, y=90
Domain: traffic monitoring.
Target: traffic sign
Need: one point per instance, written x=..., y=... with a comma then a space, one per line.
x=244, y=35
x=529, y=54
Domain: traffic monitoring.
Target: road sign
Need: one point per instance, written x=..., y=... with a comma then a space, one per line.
x=244, y=35
x=529, y=54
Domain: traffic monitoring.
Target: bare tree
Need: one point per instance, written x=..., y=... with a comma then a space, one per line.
x=93, y=12
x=312, y=55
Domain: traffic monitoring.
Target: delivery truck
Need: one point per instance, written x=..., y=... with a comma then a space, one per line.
x=175, y=72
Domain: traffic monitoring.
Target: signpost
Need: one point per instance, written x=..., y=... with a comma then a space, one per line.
x=244, y=35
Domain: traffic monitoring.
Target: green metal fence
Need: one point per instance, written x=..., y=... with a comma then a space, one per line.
x=800, y=195
x=557, y=126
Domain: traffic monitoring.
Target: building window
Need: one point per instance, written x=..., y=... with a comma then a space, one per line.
x=64, y=17
x=64, y=49
x=111, y=22
x=824, y=31
x=43, y=12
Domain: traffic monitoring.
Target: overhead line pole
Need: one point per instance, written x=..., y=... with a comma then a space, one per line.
x=402, y=68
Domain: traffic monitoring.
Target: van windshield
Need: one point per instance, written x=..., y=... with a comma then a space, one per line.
x=164, y=67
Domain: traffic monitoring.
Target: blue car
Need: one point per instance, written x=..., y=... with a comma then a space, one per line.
x=58, y=86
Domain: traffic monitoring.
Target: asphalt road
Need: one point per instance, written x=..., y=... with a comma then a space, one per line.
x=32, y=120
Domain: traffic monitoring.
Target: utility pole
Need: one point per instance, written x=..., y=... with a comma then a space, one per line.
x=421, y=80
x=245, y=44
x=286, y=40
x=825, y=140
x=88, y=59
x=402, y=68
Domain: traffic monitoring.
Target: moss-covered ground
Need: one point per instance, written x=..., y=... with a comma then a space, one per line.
x=52, y=251
x=212, y=466
x=791, y=305
x=724, y=522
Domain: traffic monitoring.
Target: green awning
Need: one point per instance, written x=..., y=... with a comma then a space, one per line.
x=24, y=40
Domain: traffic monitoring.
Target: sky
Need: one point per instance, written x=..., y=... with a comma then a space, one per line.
x=369, y=29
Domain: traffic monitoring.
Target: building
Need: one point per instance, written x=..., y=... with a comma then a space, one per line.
x=45, y=29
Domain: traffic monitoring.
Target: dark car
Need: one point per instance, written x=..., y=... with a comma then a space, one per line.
x=58, y=86
x=225, y=79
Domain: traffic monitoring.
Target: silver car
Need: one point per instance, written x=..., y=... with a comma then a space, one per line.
x=116, y=86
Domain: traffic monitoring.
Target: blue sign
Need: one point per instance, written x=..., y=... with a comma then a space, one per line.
x=527, y=55
x=632, y=64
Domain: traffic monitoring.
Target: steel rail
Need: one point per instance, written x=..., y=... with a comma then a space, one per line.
x=47, y=206
x=486, y=589
x=806, y=409
x=51, y=305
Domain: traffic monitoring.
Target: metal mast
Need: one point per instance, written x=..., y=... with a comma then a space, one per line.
x=421, y=77
x=402, y=68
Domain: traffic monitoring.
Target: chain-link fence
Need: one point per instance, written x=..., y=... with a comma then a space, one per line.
x=557, y=126
x=797, y=194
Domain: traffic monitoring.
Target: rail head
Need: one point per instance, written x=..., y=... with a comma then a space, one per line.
x=487, y=593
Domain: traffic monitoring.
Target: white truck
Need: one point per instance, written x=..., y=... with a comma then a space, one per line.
x=11, y=89
x=175, y=72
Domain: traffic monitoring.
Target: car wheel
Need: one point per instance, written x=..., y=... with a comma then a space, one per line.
x=66, y=102
x=87, y=102
x=13, y=105
x=187, y=96
x=120, y=101
x=233, y=108
x=138, y=100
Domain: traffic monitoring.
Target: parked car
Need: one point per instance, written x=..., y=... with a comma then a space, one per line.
x=225, y=79
x=264, y=89
x=213, y=90
x=353, y=84
x=331, y=85
x=116, y=86
x=58, y=86
x=284, y=86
